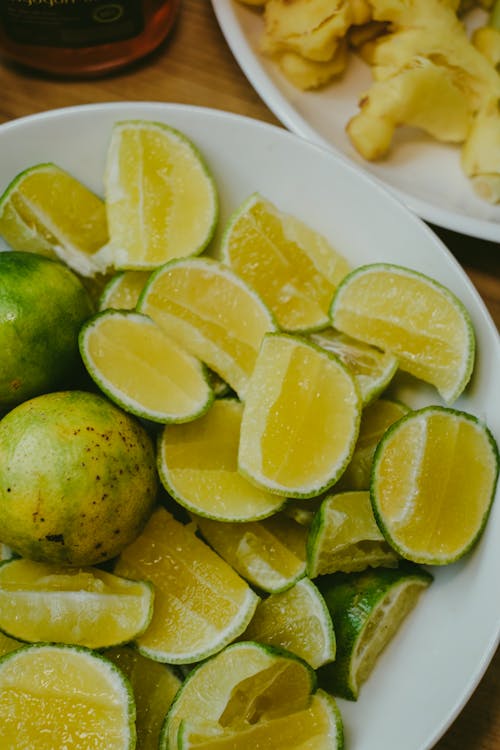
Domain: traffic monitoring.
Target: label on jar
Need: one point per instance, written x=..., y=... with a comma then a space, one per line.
x=71, y=23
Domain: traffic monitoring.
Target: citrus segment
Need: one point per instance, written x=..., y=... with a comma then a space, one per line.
x=154, y=685
x=318, y=726
x=86, y=607
x=412, y=316
x=209, y=310
x=64, y=696
x=140, y=368
x=46, y=210
x=161, y=201
x=367, y=609
x=376, y=418
x=301, y=418
x=296, y=619
x=433, y=482
x=42, y=307
x=122, y=291
x=8, y=644
x=293, y=268
x=201, y=604
x=344, y=536
x=270, y=553
x=198, y=465
x=372, y=368
x=244, y=684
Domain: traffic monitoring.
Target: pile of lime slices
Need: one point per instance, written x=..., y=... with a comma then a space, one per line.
x=302, y=505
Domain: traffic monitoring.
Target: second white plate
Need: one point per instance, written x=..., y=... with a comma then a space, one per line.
x=423, y=173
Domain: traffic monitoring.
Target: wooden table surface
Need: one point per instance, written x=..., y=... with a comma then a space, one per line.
x=195, y=66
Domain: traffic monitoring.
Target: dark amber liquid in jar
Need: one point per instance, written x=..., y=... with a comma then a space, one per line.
x=79, y=38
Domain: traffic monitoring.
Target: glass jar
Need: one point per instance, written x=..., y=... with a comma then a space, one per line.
x=82, y=37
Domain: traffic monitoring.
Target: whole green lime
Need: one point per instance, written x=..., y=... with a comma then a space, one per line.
x=78, y=478
x=42, y=307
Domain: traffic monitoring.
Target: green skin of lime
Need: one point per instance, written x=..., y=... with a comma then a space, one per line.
x=78, y=479
x=42, y=307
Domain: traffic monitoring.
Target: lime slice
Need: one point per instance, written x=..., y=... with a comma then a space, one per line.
x=141, y=369
x=296, y=394
x=122, y=291
x=367, y=609
x=198, y=466
x=412, y=316
x=298, y=620
x=8, y=644
x=243, y=685
x=292, y=267
x=86, y=607
x=376, y=418
x=154, y=685
x=372, y=368
x=344, y=536
x=64, y=696
x=47, y=211
x=433, y=482
x=208, y=309
x=200, y=605
x=161, y=200
x=318, y=726
x=270, y=554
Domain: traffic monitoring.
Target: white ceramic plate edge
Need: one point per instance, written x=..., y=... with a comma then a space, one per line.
x=256, y=73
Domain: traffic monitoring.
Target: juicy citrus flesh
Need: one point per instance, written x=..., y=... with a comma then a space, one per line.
x=293, y=268
x=87, y=607
x=46, y=210
x=344, y=536
x=376, y=418
x=161, y=202
x=372, y=368
x=412, y=316
x=367, y=609
x=269, y=553
x=205, y=307
x=296, y=619
x=123, y=290
x=154, y=686
x=60, y=696
x=433, y=482
x=139, y=367
x=8, y=644
x=244, y=684
x=198, y=465
x=43, y=304
x=318, y=726
x=301, y=418
x=77, y=478
x=201, y=604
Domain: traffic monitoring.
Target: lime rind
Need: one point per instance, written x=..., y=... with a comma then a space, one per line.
x=113, y=290
x=319, y=486
x=463, y=373
x=422, y=556
x=125, y=400
x=123, y=688
x=112, y=255
x=367, y=609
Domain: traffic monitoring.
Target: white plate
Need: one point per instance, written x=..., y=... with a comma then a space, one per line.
x=437, y=658
x=425, y=174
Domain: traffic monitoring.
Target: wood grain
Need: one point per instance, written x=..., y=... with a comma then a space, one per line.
x=195, y=66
